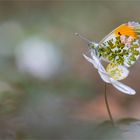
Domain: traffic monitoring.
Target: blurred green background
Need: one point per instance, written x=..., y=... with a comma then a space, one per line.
x=47, y=89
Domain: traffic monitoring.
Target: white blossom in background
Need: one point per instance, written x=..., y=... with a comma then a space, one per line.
x=38, y=58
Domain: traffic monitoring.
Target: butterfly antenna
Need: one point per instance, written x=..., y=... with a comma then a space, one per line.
x=83, y=38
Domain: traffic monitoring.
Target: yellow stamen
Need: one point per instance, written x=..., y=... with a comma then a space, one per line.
x=115, y=71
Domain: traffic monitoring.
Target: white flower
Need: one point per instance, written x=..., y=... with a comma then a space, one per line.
x=37, y=57
x=107, y=77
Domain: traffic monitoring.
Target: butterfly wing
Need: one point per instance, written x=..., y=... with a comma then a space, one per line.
x=108, y=36
x=120, y=49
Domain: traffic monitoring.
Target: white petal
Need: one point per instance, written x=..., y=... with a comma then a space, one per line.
x=93, y=55
x=105, y=77
x=97, y=64
x=122, y=87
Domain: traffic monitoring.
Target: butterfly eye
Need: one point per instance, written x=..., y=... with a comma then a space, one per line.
x=119, y=33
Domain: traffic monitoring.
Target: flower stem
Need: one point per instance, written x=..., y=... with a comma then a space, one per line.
x=107, y=106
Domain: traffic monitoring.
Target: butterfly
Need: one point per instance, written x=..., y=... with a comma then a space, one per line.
x=120, y=49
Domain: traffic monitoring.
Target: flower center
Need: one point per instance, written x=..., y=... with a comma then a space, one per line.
x=117, y=72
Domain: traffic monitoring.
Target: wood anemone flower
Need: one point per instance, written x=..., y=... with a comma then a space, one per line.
x=107, y=77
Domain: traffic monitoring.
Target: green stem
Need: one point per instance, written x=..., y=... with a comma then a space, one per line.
x=107, y=106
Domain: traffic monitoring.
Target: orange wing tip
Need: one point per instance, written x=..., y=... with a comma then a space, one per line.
x=126, y=30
